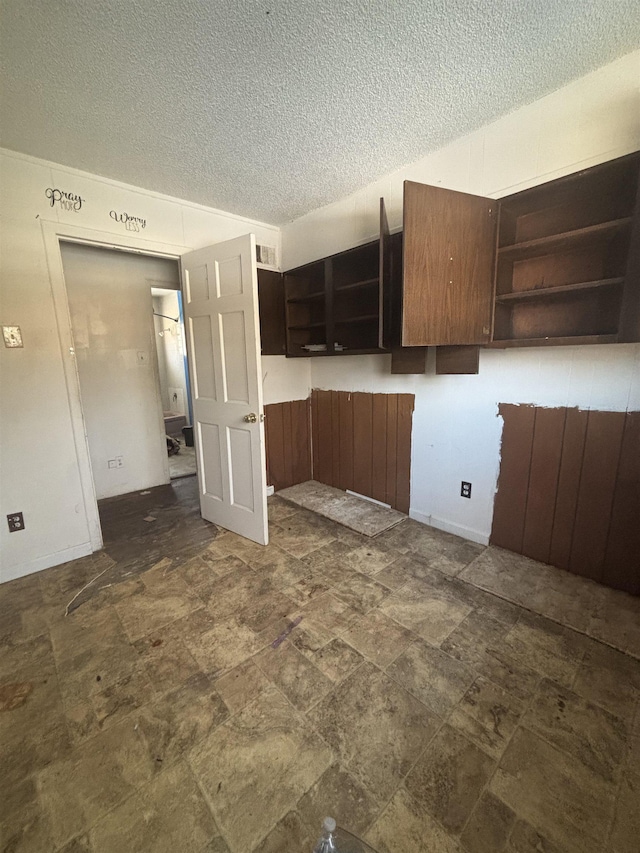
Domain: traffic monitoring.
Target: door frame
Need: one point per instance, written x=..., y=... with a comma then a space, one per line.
x=53, y=234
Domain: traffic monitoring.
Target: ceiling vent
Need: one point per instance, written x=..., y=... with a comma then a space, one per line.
x=265, y=255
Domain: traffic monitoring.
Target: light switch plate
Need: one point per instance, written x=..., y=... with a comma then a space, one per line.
x=12, y=336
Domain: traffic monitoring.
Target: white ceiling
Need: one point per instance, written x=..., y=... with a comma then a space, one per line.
x=272, y=108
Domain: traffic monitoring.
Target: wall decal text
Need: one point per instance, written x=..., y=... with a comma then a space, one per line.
x=131, y=223
x=65, y=200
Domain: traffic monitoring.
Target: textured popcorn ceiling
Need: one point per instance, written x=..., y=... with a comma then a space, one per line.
x=272, y=108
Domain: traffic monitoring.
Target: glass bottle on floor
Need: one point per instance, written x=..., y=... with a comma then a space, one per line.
x=335, y=839
x=326, y=844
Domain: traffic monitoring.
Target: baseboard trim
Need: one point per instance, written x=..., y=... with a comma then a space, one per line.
x=270, y=490
x=20, y=570
x=450, y=527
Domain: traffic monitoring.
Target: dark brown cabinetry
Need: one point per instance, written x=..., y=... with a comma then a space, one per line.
x=555, y=264
x=271, y=310
x=449, y=240
x=341, y=305
x=562, y=268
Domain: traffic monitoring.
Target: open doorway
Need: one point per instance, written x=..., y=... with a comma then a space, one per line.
x=173, y=376
x=115, y=337
x=220, y=295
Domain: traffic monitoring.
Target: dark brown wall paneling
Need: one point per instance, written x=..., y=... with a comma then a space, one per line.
x=595, y=498
x=546, y=454
x=391, y=455
x=569, y=491
x=362, y=442
x=623, y=545
x=345, y=449
x=288, y=441
x=379, y=439
x=510, y=507
x=403, y=451
x=566, y=502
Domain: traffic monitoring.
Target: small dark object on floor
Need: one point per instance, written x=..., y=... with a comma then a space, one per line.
x=173, y=446
x=156, y=643
x=187, y=432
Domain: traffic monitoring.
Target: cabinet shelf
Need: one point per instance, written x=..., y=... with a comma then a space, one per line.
x=308, y=326
x=564, y=240
x=363, y=318
x=567, y=340
x=550, y=292
x=311, y=297
x=357, y=284
x=345, y=351
x=341, y=298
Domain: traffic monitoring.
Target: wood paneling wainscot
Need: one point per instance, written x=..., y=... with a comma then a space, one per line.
x=288, y=443
x=569, y=491
x=362, y=442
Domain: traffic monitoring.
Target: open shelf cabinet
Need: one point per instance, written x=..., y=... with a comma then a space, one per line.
x=553, y=265
x=336, y=306
x=564, y=267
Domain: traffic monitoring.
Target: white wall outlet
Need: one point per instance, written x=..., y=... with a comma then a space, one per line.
x=119, y=462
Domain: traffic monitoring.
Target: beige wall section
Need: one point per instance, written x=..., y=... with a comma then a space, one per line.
x=456, y=428
x=111, y=311
x=39, y=468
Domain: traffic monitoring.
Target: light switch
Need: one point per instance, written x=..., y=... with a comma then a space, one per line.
x=12, y=336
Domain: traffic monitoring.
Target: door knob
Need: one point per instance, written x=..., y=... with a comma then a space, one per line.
x=251, y=418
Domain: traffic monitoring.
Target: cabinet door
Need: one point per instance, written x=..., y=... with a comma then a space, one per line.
x=448, y=266
x=271, y=309
x=384, y=287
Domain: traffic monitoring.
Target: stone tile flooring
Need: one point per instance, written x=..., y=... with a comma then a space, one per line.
x=417, y=700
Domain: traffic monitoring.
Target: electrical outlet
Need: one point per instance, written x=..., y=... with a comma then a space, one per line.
x=465, y=490
x=112, y=463
x=15, y=521
x=119, y=462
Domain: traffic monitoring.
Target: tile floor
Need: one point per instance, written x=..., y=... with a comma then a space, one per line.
x=413, y=701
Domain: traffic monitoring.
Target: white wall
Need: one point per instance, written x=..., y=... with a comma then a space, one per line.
x=456, y=431
x=171, y=354
x=285, y=379
x=39, y=473
x=111, y=311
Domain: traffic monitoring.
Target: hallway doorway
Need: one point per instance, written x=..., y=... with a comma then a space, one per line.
x=173, y=375
x=119, y=348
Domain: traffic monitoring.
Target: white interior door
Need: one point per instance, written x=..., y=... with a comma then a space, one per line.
x=220, y=286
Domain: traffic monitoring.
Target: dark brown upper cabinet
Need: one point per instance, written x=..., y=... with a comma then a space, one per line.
x=271, y=311
x=341, y=305
x=555, y=264
x=567, y=268
x=448, y=262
